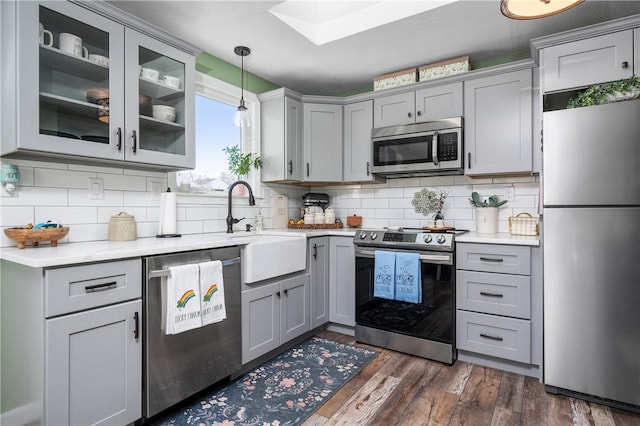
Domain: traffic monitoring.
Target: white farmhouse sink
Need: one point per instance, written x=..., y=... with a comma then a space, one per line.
x=268, y=256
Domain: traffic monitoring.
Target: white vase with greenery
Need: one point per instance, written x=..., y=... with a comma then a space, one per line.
x=486, y=213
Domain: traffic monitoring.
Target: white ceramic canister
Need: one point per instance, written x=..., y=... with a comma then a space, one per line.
x=309, y=219
x=329, y=215
x=319, y=218
x=122, y=227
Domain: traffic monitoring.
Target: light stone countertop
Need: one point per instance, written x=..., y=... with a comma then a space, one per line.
x=97, y=251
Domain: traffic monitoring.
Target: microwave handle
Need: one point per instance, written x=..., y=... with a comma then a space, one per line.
x=434, y=148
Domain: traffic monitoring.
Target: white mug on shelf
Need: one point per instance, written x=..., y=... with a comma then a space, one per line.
x=71, y=43
x=171, y=81
x=150, y=74
x=42, y=33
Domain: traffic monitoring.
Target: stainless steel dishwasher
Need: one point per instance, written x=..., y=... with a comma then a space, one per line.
x=180, y=365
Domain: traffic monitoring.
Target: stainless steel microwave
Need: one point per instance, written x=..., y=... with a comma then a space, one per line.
x=421, y=149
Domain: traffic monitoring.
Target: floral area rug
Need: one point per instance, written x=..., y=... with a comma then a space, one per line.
x=281, y=392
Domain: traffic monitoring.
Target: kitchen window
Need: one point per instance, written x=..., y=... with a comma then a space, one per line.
x=216, y=103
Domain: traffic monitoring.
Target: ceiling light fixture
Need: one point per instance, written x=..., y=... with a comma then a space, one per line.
x=242, y=118
x=533, y=9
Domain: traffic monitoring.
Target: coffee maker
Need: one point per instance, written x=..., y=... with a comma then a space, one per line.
x=315, y=202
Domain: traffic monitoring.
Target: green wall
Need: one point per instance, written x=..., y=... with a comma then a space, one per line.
x=215, y=67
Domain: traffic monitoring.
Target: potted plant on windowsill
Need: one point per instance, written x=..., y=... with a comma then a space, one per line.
x=240, y=164
x=486, y=213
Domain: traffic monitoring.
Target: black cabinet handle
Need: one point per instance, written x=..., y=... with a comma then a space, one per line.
x=499, y=296
x=134, y=137
x=136, y=329
x=119, y=144
x=490, y=259
x=488, y=336
x=419, y=113
x=286, y=292
x=469, y=159
x=315, y=251
x=290, y=166
x=278, y=294
x=307, y=169
x=409, y=115
x=368, y=164
x=625, y=65
x=100, y=287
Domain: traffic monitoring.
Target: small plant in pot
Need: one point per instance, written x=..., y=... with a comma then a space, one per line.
x=241, y=163
x=486, y=212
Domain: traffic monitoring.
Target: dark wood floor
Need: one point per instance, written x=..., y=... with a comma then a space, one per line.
x=400, y=389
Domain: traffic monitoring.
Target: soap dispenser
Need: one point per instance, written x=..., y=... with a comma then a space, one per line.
x=259, y=221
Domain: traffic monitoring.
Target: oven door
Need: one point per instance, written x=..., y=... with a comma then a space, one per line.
x=431, y=319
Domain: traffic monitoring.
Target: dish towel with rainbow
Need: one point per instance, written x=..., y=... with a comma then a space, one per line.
x=212, y=290
x=183, y=311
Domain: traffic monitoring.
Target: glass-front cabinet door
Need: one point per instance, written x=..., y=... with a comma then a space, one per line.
x=70, y=73
x=92, y=88
x=159, y=82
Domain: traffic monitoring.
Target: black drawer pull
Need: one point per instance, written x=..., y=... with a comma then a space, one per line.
x=491, y=259
x=136, y=330
x=100, y=287
x=278, y=294
x=499, y=296
x=286, y=292
x=488, y=336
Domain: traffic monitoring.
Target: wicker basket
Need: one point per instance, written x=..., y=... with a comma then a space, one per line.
x=523, y=224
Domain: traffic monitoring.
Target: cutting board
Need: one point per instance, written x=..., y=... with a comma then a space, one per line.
x=280, y=211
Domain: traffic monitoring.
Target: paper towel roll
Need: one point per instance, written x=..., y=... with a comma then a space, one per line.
x=167, y=222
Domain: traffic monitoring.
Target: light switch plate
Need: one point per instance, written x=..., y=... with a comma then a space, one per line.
x=96, y=189
x=509, y=193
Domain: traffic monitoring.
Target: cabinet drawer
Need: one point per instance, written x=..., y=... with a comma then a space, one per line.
x=494, y=258
x=499, y=294
x=77, y=288
x=507, y=338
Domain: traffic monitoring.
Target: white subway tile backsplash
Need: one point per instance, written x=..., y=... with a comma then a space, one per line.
x=395, y=214
x=87, y=232
x=437, y=181
x=389, y=193
x=124, y=182
x=375, y=203
x=82, y=197
x=67, y=215
x=17, y=215
x=96, y=169
x=38, y=196
x=54, y=178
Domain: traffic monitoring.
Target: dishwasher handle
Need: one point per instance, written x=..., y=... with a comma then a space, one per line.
x=165, y=272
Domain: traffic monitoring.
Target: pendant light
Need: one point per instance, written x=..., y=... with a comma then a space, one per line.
x=533, y=9
x=242, y=118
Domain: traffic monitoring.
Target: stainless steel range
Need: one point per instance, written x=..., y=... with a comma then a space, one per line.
x=425, y=328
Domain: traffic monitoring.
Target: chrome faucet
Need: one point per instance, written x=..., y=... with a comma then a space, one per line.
x=252, y=202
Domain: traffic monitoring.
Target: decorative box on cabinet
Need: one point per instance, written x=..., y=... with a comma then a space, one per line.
x=79, y=336
x=431, y=103
x=497, y=305
x=281, y=133
x=318, y=262
x=322, y=142
x=274, y=313
x=592, y=60
x=498, y=124
x=54, y=91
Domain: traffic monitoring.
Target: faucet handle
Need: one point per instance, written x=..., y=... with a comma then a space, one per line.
x=249, y=226
x=238, y=220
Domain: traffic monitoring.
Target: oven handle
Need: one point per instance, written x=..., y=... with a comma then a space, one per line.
x=423, y=257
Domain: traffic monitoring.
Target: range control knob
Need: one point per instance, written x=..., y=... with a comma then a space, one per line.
x=441, y=239
x=363, y=235
x=374, y=235
x=427, y=238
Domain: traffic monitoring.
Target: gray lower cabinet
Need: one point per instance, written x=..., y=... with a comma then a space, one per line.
x=498, y=124
x=273, y=313
x=342, y=281
x=318, y=262
x=498, y=303
x=73, y=355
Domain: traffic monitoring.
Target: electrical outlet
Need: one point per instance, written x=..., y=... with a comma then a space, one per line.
x=156, y=189
x=509, y=193
x=96, y=189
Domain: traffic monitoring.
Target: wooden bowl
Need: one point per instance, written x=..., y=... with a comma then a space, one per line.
x=23, y=235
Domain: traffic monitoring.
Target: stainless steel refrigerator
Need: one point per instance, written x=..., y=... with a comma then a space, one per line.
x=591, y=245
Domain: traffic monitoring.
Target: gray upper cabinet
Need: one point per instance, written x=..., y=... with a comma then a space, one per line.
x=498, y=124
x=636, y=51
x=322, y=142
x=89, y=103
x=593, y=60
x=358, y=122
x=426, y=104
x=281, y=132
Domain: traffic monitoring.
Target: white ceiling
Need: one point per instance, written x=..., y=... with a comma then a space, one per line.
x=286, y=58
